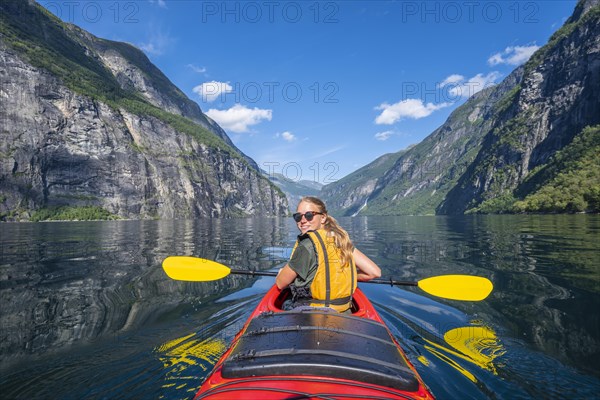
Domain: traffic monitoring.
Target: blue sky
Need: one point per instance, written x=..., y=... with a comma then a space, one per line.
x=318, y=89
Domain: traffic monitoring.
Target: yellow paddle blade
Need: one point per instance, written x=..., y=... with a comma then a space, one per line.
x=457, y=287
x=194, y=269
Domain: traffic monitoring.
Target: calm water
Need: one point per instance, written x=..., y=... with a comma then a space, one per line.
x=87, y=312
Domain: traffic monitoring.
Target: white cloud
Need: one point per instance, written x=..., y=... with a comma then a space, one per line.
x=410, y=108
x=239, y=118
x=513, y=55
x=158, y=42
x=152, y=48
x=454, y=78
x=195, y=68
x=385, y=135
x=210, y=91
x=288, y=136
x=327, y=152
x=161, y=3
x=459, y=87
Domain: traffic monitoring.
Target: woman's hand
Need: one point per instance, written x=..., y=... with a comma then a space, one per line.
x=367, y=269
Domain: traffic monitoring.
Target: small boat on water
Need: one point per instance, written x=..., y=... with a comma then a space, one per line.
x=317, y=353
x=314, y=353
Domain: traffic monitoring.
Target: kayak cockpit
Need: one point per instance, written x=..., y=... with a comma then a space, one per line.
x=319, y=343
x=275, y=303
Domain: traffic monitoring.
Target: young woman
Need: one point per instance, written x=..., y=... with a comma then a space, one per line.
x=324, y=266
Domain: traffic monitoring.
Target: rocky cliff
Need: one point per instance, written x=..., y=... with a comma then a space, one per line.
x=558, y=96
x=416, y=180
x=90, y=122
x=480, y=158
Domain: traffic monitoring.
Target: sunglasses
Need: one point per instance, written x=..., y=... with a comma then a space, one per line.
x=309, y=215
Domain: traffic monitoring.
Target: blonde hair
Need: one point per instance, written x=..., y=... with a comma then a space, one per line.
x=341, y=237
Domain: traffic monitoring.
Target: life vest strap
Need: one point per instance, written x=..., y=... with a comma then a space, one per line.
x=336, y=302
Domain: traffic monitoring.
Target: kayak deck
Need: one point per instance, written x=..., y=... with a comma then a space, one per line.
x=319, y=343
x=313, y=353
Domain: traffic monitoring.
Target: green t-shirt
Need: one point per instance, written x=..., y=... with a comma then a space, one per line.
x=304, y=263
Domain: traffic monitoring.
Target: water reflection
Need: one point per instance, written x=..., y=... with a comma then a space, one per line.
x=179, y=354
x=86, y=310
x=62, y=283
x=545, y=270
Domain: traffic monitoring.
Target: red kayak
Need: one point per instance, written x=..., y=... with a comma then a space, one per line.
x=313, y=353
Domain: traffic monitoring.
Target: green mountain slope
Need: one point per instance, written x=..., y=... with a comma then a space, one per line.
x=558, y=97
x=295, y=190
x=414, y=181
x=48, y=43
x=348, y=195
x=496, y=149
x=569, y=182
x=92, y=129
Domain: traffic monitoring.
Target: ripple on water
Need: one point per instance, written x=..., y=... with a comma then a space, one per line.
x=455, y=356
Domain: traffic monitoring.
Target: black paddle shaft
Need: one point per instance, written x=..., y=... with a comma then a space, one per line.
x=390, y=281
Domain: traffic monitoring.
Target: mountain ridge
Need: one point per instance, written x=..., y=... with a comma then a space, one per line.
x=294, y=190
x=519, y=124
x=84, y=125
x=426, y=171
x=558, y=97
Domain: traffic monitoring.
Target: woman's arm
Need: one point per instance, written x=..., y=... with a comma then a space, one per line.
x=367, y=269
x=285, y=276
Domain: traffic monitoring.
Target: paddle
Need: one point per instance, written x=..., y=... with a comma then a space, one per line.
x=454, y=287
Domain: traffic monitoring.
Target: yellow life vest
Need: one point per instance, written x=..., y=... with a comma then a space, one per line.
x=333, y=284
